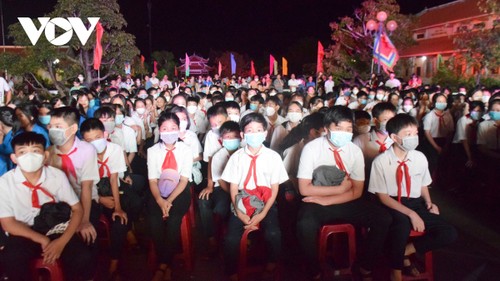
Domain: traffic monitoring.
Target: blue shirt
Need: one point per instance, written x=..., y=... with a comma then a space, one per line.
x=5, y=151
x=39, y=130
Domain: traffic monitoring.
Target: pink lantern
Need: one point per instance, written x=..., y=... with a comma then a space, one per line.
x=371, y=25
x=381, y=16
x=392, y=25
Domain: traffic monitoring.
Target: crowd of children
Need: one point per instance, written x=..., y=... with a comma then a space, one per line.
x=284, y=162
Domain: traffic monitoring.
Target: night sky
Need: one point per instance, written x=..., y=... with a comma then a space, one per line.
x=254, y=27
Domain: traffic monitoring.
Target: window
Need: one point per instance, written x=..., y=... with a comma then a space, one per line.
x=480, y=25
x=420, y=35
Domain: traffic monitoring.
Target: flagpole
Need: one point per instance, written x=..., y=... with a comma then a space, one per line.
x=380, y=26
x=99, y=76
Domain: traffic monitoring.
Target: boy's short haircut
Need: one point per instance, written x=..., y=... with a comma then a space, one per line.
x=491, y=103
x=231, y=104
x=215, y=110
x=200, y=95
x=91, y=124
x=104, y=96
x=193, y=99
x=380, y=107
x=399, y=122
x=149, y=91
x=275, y=100
x=253, y=117
x=337, y=114
x=124, y=91
x=69, y=114
x=105, y=111
x=28, y=138
x=216, y=98
x=477, y=103
x=362, y=94
x=361, y=114
x=257, y=98
x=230, y=127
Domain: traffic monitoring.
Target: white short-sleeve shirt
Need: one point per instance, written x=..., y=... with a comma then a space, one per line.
x=369, y=146
x=183, y=157
x=433, y=125
x=85, y=162
x=191, y=140
x=212, y=145
x=291, y=158
x=317, y=153
x=118, y=138
x=487, y=135
x=383, y=174
x=15, y=197
x=462, y=129
x=270, y=168
x=219, y=161
x=115, y=159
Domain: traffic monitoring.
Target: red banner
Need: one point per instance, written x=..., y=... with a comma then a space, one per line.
x=155, y=67
x=98, y=47
x=252, y=69
x=271, y=64
x=321, y=54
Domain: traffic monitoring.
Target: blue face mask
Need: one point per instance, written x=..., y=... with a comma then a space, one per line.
x=347, y=93
x=231, y=144
x=119, y=119
x=363, y=101
x=45, y=120
x=441, y=105
x=495, y=115
x=255, y=140
x=253, y=107
x=371, y=97
x=92, y=103
x=340, y=138
x=476, y=115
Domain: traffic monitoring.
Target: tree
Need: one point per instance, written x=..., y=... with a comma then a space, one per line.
x=166, y=60
x=118, y=46
x=481, y=47
x=352, y=48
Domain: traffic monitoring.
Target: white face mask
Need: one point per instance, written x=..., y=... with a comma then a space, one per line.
x=294, y=117
x=30, y=162
x=234, y=117
x=407, y=108
x=409, y=143
x=109, y=126
x=140, y=110
x=363, y=129
x=57, y=136
x=191, y=109
x=380, y=96
x=270, y=111
x=99, y=144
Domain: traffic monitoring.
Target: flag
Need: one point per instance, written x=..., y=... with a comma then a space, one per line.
x=271, y=64
x=176, y=74
x=155, y=67
x=284, y=66
x=439, y=60
x=321, y=54
x=127, y=68
x=233, y=64
x=385, y=50
x=98, y=47
x=252, y=69
x=142, y=61
x=220, y=68
x=187, y=65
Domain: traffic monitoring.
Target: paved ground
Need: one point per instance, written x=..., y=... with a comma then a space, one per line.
x=475, y=256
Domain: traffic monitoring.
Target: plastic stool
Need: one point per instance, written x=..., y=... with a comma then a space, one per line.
x=332, y=229
x=187, y=254
x=428, y=274
x=55, y=269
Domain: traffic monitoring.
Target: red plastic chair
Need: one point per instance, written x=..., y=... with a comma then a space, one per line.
x=192, y=214
x=104, y=231
x=428, y=274
x=333, y=229
x=55, y=270
x=187, y=255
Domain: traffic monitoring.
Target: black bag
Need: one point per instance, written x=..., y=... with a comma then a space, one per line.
x=104, y=187
x=51, y=214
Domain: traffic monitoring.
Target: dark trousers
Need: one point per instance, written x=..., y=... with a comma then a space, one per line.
x=166, y=233
x=218, y=204
x=438, y=233
x=15, y=258
x=272, y=235
x=360, y=213
x=118, y=233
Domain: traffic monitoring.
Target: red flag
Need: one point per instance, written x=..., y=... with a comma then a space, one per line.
x=220, y=68
x=252, y=69
x=142, y=61
x=155, y=67
x=321, y=54
x=271, y=64
x=386, y=51
x=98, y=47
x=175, y=71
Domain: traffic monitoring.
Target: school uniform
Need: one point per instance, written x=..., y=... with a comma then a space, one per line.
x=279, y=134
x=199, y=124
x=39, y=130
x=371, y=146
x=5, y=152
x=403, y=181
x=166, y=233
x=439, y=125
x=359, y=212
x=139, y=121
x=488, y=135
x=271, y=127
x=218, y=202
x=212, y=145
x=268, y=169
x=18, y=200
x=113, y=161
x=291, y=158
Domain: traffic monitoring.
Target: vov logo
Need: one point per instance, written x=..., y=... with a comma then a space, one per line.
x=49, y=25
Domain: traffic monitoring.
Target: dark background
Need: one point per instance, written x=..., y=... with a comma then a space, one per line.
x=253, y=27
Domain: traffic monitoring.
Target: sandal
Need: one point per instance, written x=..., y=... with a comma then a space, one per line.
x=411, y=269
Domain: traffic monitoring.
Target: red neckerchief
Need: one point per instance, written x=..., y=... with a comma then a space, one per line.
x=35, y=202
x=338, y=159
x=67, y=165
x=399, y=176
x=103, y=168
x=169, y=162
x=262, y=192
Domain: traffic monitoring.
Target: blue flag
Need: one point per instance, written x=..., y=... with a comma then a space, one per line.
x=233, y=64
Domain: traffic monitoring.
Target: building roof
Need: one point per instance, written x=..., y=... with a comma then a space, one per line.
x=433, y=46
x=449, y=12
